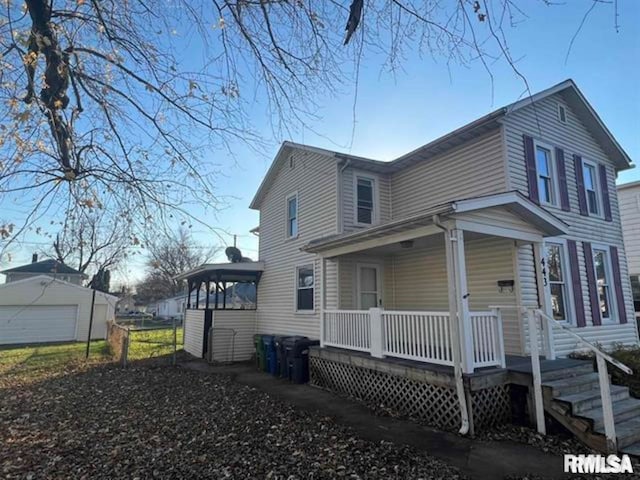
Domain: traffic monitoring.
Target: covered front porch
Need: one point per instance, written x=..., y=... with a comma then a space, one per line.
x=442, y=287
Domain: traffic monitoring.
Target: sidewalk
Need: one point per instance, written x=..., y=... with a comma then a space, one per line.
x=475, y=458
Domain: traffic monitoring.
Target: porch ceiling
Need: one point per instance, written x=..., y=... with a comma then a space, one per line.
x=508, y=214
x=224, y=272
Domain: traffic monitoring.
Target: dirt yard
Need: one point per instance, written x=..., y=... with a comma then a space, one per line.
x=63, y=418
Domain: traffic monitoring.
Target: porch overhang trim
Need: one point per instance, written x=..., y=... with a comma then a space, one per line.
x=514, y=201
x=422, y=225
x=224, y=272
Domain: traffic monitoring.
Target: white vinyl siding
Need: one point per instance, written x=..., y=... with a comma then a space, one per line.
x=48, y=293
x=574, y=138
x=243, y=324
x=473, y=169
x=629, y=198
x=36, y=324
x=314, y=178
x=382, y=198
x=194, y=332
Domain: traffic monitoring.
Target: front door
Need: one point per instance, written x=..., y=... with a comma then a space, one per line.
x=369, y=292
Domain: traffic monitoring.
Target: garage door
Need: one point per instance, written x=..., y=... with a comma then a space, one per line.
x=34, y=324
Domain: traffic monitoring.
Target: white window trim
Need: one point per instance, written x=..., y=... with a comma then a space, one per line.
x=553, y=172
x=568, y=281
x=598, y=187
x=613, y=305
x=375, y=214
x=379, y=277
x=295, y=288
x=286, y=216
x=562, y=107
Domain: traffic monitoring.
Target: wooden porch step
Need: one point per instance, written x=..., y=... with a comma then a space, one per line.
x=633, y=450
x=622, y=410
x=563, y=373
x=583, y=401
x=628, y=433
x=573, y=384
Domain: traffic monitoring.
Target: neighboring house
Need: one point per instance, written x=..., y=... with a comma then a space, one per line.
x=629, y=198
x=171, y=307
x=239, y=296
x=422, y=277
x=50, y=267
x=41, y=309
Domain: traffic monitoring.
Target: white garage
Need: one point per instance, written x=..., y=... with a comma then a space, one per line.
x=44, y=309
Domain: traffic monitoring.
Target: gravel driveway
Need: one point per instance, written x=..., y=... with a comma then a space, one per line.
x=105, y=422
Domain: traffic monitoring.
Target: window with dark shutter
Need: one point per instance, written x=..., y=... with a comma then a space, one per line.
x=591, y=282
x=582, y=197
x=617, y=280
x=562, y=180
x=604, y=187
x=576, y=284
x=532, y=173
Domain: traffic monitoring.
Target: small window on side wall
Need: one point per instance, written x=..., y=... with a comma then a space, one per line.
x=364, y=200
x=562, y=113
x=304, y=288
x=292, y=215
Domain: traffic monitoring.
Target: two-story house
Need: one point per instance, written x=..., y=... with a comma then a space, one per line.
x=449, y=255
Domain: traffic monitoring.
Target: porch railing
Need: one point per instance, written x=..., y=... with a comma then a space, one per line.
x=413, y=335
x=422, y=336
x=347, y=329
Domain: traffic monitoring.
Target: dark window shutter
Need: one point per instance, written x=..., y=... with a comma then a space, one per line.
x=576, y=283
x=617, y=281
x=532, y=173
x=562, y=180
x=591, y=281
x=604, y=188
x=582, y=195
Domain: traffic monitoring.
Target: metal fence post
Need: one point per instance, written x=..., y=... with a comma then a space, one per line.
x=125, y=349
x=175, y=341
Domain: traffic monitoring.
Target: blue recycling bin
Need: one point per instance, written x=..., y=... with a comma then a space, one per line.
x=271, y=364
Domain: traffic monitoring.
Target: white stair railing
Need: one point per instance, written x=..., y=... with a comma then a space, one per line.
x=603, y=375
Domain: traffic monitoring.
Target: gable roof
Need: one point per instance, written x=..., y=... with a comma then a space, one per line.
x=46, y=267
x=47, y=280
x=568, y=88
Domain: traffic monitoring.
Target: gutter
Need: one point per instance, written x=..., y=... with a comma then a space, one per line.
x=455, y=333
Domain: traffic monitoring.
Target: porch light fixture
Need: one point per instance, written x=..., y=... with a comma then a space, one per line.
x=406, y=244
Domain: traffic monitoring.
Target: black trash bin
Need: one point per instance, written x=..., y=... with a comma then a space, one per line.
x=281, y=354
x=297, y=355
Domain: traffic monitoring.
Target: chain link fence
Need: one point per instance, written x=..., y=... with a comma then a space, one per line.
x=130, y=343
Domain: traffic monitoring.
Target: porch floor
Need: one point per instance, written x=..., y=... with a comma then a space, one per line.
x=514, y=364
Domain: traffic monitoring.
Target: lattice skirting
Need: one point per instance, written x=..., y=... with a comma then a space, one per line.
x=434, y=404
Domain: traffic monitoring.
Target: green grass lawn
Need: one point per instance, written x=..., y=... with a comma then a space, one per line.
x=37, y=358
x=153, y=343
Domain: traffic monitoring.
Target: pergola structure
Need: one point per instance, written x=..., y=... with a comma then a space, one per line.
x=216, y=277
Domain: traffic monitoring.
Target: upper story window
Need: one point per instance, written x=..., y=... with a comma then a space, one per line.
x=557, y=281
x=602, y=267
x=590, y=176
x=292, y=215
x=546, y=180
x=365, y=193
x=304, y=287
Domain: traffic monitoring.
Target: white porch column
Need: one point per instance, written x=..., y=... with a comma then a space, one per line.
x=547, y=331
x=377, y=334
x=462, y=300
x=323, y=291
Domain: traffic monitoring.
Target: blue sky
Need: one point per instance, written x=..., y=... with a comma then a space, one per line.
x=395, y=114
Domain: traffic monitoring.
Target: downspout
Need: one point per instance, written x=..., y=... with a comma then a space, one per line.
x=455, y=333
x=347, y=162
